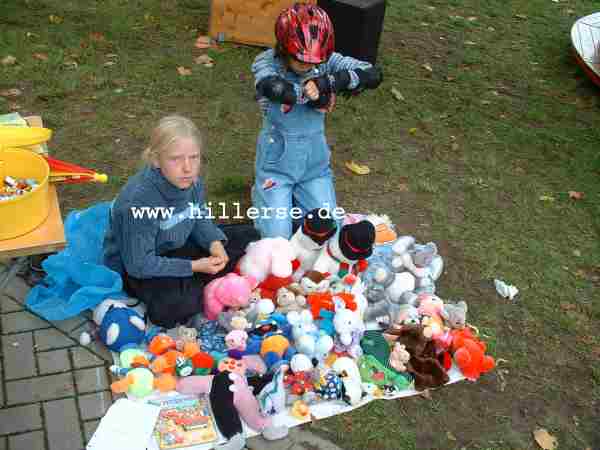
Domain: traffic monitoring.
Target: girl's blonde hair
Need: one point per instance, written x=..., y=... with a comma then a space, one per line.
x=168, y=130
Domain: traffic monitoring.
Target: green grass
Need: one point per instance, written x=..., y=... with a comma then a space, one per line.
x=504, y=118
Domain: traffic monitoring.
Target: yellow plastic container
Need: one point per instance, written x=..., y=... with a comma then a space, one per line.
x=26, y=212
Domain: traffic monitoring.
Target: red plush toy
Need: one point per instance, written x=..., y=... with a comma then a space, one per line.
x=269, y=287
x=469, y=354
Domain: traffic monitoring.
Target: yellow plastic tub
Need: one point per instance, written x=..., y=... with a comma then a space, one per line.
x=24, y=213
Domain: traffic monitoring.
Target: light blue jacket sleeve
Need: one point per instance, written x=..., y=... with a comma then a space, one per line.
x=338, y=62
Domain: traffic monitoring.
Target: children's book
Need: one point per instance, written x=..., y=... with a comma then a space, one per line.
x=184, y=421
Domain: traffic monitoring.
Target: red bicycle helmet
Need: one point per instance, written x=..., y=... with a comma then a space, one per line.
x=306, y=33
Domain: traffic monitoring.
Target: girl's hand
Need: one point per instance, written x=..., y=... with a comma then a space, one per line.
x=311, y=90
x=216, y=249
x=210, y=265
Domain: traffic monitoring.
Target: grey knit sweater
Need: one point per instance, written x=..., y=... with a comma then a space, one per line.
x=151, y=216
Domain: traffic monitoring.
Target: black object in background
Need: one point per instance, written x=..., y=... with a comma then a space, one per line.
x=358, y=25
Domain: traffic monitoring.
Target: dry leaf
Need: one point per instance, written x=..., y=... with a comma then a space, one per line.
x=203, y=42
x=450, y=436
x=544, y=439
x=40, y=56
x=427, y=67
x=55, y=19
x=546, y=198
x=97, y=36
x=426, y=394
x=9, y=60
x=357, y=168
x=10, y=93
x=576, y=195
x=500, y=374
x=567, y=306
x=183, y=71
x=205, y=60
x=396, y=93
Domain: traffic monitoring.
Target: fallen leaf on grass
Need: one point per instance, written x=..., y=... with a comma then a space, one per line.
x=426, y=394
x=576, y=195
x=396, y=93
x=500, y=374
x=9, y=60
x=40, y=56
x=183, y=71
x=205, y=60
x=357, y=168
x=567, y=306
x=10, y=93
x=203, y=42
x=427, y=67
x=450, y=436
x=97, y=36
x=544, y=439
x=55, y=19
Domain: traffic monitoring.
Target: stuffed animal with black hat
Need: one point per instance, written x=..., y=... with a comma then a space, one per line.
x=317, y=228
x=347, y=251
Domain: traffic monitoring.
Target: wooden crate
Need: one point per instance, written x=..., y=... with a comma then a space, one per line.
x=246, y=21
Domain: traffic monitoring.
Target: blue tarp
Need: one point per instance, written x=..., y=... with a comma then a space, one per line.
x=76, y=278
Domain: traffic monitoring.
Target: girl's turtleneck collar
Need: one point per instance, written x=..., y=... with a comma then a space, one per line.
x=168, y=190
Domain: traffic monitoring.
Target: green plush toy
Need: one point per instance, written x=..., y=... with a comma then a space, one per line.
x=372, y=371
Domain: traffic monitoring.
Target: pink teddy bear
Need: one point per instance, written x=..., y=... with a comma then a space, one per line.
x=268, y=256
x=230, y=291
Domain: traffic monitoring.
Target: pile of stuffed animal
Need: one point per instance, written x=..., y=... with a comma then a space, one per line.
x=329, y=315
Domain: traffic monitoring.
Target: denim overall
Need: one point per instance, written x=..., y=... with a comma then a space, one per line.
x=292, y=167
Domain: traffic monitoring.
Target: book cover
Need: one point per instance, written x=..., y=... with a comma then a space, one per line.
x=184, y=421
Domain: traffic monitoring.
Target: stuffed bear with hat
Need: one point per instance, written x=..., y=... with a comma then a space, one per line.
x=317, y=228
x=347, y=251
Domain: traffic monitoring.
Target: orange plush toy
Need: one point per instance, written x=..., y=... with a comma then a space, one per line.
x=324, y=300
x=469, y=354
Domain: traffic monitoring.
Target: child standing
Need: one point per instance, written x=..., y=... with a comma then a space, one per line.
x=161, y=237
x=296, y=84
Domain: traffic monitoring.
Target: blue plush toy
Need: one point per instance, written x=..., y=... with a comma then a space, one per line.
x=120, y=327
